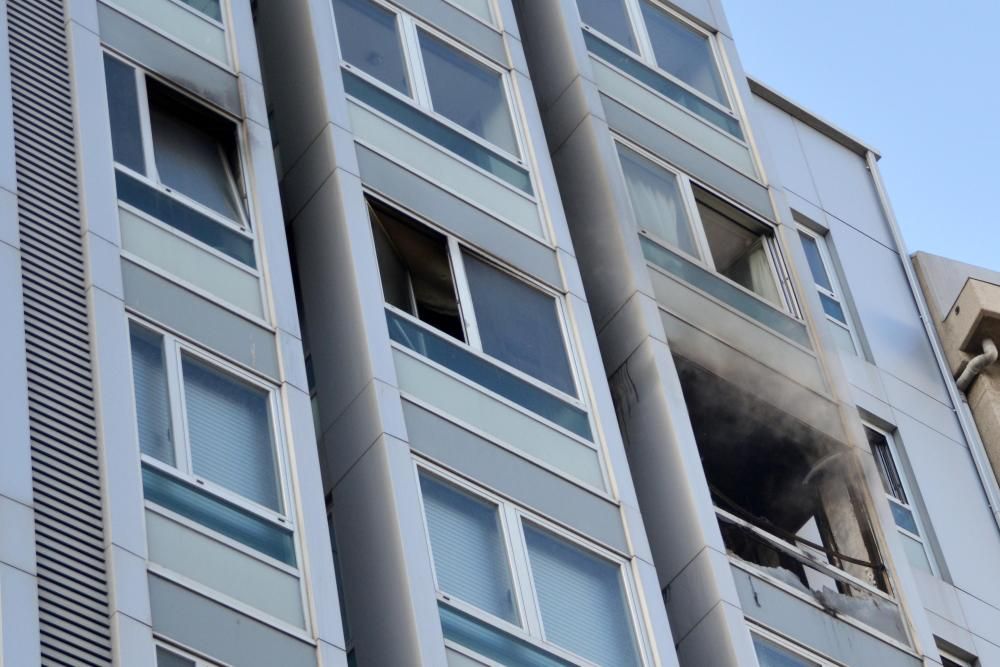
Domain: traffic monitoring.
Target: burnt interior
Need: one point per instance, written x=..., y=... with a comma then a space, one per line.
x=780, y=475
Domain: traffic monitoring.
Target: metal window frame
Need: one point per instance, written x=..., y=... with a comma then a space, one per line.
x=799, y=651
x=408, y=28
x=837, y=293
x=890, y=438
x=198, y=658
x=456, y=248
x=512, y=518
x=647, y=56
x=685, y=184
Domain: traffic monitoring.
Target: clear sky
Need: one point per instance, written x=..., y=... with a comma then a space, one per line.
x=917, y=80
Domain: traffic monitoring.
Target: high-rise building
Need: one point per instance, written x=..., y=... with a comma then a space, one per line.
x=468, y=333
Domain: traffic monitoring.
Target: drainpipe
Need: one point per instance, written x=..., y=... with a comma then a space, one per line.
x=986, y=477
x=977, y=365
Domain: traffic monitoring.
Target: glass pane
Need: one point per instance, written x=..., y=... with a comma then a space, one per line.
x=770, y=654
x=191, y=153
x=664, y=85
x=609, y=17
x=493, y=643
x=152, y=404
x=209, y=8
x=708, y=282
x=439, y=133
x=582, y=600
x=229, y=426
x=183, y=218
x=815, y=260
x=739, y=253
x=123, y=106
x=886, y=464
x=216, y=514
x=656, y=201
x=468, y=93
x=833, y=308
x=480, y=8
x=486, y=374
x=915, y=553
x=904, y=517
x=842, y=337
x=470, y=559
x=519, y=325
x=165, y=658
x=369, y=40
x=684, y=52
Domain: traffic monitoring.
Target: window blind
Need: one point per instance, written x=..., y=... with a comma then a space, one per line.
x=469, y=555
x=582, y=601
x=152, y=405
x=229, y=429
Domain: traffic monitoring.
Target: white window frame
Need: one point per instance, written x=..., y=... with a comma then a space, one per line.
x=685, y=185
x=647, y=56
x=907, y=489
x=151, y=178
x=512, y=519
x=961, y=662
x=409, y=27
x=793, y=648
x=199, y=659
x=837, y=293
x=466, y=309
x=174, y=351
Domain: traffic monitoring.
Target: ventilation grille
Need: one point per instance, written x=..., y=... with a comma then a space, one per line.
x=72, y=584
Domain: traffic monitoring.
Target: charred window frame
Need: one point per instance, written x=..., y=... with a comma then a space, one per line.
x=899, y=493
x=436, y=279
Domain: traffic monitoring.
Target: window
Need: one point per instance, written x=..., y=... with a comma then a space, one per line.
x=727, y=240
x=897, y=492
x=828, y=286
x=773, y=651
x=684, y=54
x=177, y=162
x=172, y=657
x=433, y=278
x=950, y=660
x=496, y=567
x=394, y=50
x=209, y=443
x=210, y=8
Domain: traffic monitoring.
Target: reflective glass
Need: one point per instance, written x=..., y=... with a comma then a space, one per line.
x=438, y=132
x=815, y=260
x=519, y=325
x=468, y=93
x=663, y=85
x=470, y=559
x=684, y=52
x=182, y=217
x=770, y=654
x=833, y=308
x=229, y=427
x=493, y=643
x=656, y=201
x=216, y=514
x=610, y=18
x=165, y=658
x=152, y=404
x=582, y=600
x=904, y=517
x=123, y=107
x=210, y=8
x=369, y=40
x=482, y=372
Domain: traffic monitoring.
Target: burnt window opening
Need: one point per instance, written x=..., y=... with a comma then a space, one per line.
x=790, y=501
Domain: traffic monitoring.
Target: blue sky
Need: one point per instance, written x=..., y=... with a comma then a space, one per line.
x=916, y=79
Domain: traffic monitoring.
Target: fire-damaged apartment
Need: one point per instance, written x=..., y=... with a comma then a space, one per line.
x=467, y=333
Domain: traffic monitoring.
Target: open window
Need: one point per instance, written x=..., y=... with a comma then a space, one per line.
x=677, y=213
x=790, y=500
x=434, y=278
x=177, y=162
x=900, y=497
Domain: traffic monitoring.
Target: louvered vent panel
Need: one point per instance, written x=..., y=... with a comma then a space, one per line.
x=72, y=583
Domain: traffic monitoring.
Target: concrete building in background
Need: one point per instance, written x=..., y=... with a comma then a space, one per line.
x=469, y=332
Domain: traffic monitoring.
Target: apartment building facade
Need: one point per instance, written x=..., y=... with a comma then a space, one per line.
x=461, y=332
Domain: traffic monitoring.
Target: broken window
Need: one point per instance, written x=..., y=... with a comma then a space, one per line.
x=791, y=502
x=432, y=277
